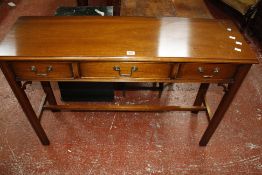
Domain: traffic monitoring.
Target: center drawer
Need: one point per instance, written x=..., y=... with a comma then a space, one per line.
x=125, y=70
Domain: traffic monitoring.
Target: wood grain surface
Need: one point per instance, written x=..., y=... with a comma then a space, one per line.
x=151, y=39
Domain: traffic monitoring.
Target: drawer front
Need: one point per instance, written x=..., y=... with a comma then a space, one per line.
x=42, y=70
x=125, y=70
x=195, y=71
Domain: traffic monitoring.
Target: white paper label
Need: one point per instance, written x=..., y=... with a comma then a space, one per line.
x=237, y=49
x=232, y=37
x=238, y=43
x=130, y=52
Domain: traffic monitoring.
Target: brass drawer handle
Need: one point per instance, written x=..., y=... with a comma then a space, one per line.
x=48, y=69
x=133, y=69
x=215, y=71
x=200, y=69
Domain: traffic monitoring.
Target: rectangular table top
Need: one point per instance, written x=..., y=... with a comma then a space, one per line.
x=164, y=39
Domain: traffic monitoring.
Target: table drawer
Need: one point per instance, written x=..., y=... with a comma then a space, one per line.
x=42, y=70
x=196, y=71
x=125, y=70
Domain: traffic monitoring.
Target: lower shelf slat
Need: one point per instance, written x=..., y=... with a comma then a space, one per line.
x=125, y=108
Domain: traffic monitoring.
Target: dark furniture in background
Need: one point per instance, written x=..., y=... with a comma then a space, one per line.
x=256, y=26
x=252, y=25
x=236, y=10
x=115, y=3
x=245, y=8
x=84, y=11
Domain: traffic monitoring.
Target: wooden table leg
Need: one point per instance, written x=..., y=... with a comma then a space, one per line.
x=24, y=102
x=49, y=93
x=201, y=95
x=224, y=104
x=160, y=89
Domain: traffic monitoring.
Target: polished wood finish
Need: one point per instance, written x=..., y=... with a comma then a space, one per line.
x=142, y=70
x=48, y=90
x=41, y=109
x=200, y=72
x=125, y=108
x=209, y=113
x=200, y=98
x=125, y=49
x=24, y=103
x=106, y=71
x=50, y=97
x=89, y=38
x=225, y=102
x=36, y=70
